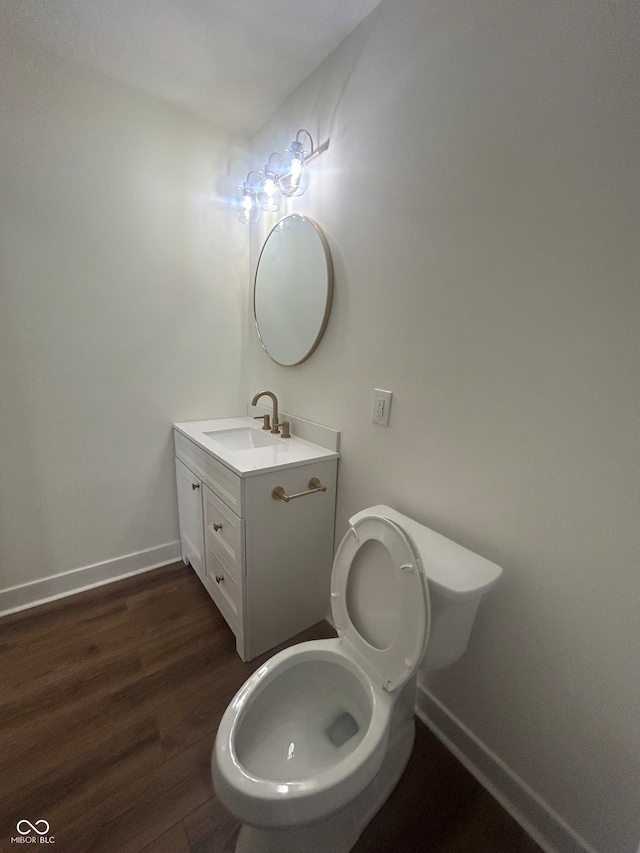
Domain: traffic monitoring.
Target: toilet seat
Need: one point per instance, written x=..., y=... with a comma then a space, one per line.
x=393, y=665
x=280, y=800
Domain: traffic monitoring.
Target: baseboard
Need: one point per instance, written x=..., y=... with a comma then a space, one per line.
x=67, y=583
x=544, y=825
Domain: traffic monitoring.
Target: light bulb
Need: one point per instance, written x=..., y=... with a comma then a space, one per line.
x=249, y=207
x=267, y=191
x=295, y=179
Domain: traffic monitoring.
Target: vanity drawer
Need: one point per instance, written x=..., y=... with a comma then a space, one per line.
x=224, y=531
x=223, y=482
x=225, y=589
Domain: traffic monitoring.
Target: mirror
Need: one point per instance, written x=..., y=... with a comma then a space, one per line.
x=293, y=290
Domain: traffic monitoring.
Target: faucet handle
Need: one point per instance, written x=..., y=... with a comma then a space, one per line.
x=285, y=429
x=266, y=420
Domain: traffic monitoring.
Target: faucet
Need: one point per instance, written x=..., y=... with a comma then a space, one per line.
x=276, y=426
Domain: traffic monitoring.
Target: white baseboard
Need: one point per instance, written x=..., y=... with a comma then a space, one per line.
x=538, y=819
x=77, y=580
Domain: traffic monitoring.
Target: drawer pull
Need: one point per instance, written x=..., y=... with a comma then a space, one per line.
x=217, y=527
x=278, y=494
x=195, y=485
x=219, y=578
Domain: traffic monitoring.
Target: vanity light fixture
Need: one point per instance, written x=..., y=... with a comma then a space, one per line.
x=282, y=176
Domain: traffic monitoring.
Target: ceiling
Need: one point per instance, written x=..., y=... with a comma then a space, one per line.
x=232, y=61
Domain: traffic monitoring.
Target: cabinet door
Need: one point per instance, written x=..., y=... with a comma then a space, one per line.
x=190, y=516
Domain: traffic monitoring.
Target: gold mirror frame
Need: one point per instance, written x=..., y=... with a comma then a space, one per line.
x=329, y=290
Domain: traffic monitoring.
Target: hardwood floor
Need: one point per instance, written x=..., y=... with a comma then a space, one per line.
x=109, y=706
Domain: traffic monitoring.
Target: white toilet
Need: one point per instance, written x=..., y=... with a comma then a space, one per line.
x=315, y=740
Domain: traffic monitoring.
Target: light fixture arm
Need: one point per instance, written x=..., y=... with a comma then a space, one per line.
x=312, y=151
x=279, y=156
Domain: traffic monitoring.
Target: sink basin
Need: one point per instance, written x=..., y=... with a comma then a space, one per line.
x=243, y=438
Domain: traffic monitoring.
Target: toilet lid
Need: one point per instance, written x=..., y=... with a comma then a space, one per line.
x=379, y=600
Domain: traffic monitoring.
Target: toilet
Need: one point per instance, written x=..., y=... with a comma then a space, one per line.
x=316, y=739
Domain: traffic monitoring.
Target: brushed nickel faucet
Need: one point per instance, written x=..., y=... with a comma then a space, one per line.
x=265, y=418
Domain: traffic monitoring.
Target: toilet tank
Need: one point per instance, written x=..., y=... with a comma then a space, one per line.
x=456, y=578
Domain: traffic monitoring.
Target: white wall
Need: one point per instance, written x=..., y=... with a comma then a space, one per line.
x=120, y=279
x=481, y=198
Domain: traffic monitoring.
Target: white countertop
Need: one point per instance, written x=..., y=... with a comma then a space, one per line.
x=282, y=453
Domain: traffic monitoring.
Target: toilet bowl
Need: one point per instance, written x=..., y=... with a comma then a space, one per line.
x=315, y=740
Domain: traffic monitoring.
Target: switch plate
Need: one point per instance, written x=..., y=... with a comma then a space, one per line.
x=381, y=407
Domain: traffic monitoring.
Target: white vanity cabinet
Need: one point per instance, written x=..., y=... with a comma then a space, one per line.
x=265, y=562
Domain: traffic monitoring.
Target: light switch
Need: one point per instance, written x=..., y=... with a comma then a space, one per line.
x=381, y=406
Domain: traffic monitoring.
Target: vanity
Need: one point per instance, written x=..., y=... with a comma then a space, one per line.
x=257, y=514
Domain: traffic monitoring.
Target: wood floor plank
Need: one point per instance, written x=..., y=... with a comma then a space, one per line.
x=162, y=694
x=484, y=827
x=173, y=841
x=144, y=809
x=37, y=751
x=77, y=785
x=43, y=625
x=211, y=829
x=47, y=659
x=53, y=696
x=175, y=603
x=184, y=639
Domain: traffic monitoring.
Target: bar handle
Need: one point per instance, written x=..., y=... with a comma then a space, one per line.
x=279, y=494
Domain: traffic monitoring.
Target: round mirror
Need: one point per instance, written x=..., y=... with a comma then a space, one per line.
x=293, y=290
